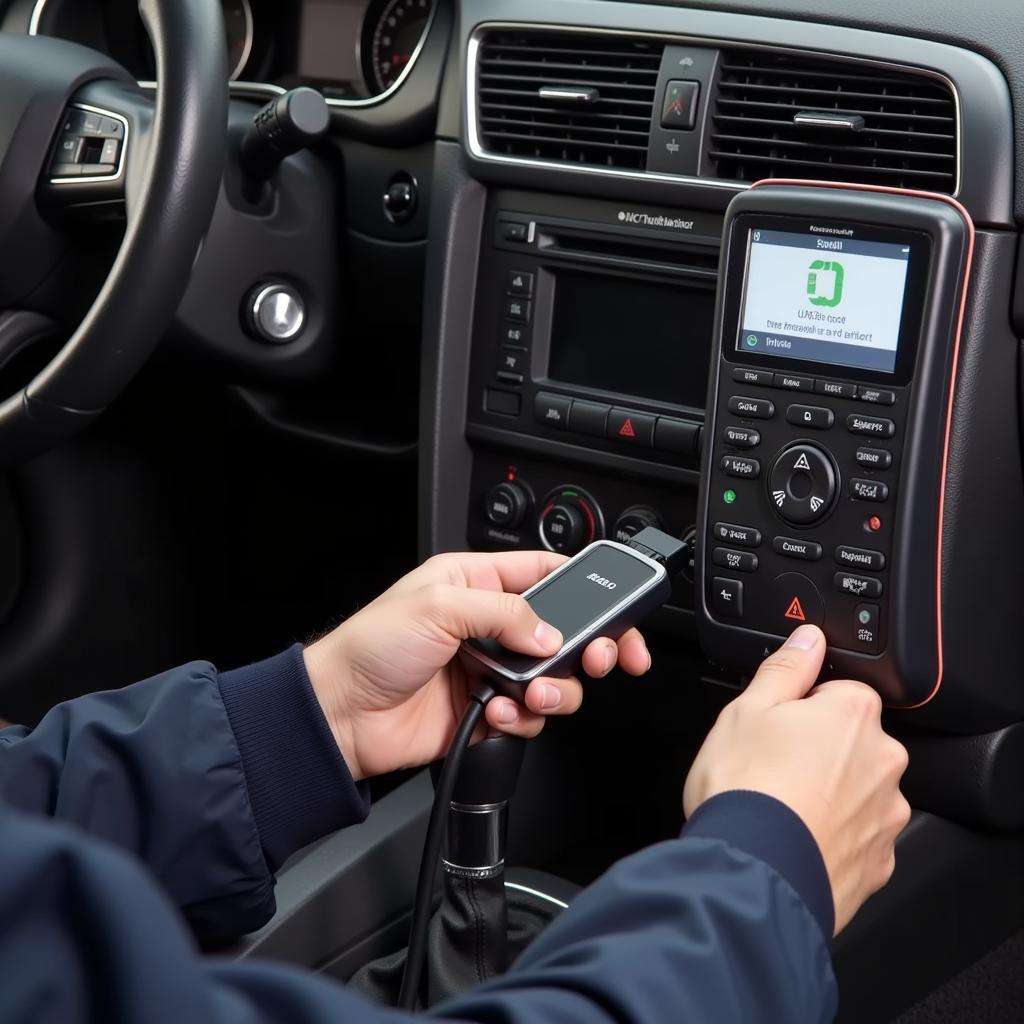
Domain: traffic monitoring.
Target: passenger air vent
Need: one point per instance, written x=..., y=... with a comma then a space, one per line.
x=569, y=97
x=796, y=116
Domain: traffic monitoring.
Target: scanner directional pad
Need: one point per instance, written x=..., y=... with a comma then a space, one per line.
x=802, y=484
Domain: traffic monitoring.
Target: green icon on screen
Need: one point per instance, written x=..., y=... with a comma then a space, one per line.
x=752, y=341
x=825, y=266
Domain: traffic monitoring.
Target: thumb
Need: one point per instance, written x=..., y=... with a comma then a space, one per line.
x=791, y=671
x=465, y=613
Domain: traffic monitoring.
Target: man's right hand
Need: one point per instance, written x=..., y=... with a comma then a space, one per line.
x=822, y=752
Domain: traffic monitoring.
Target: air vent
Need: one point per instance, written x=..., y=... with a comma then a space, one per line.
x=569, y=97
x=793, y=116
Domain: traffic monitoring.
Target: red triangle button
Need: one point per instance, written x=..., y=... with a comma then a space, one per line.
x=796, y=611
x=626, y=430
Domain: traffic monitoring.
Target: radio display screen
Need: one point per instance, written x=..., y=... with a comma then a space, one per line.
x=632, y=337
x=824, y=298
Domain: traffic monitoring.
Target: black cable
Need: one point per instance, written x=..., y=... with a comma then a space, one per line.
x=418, y=933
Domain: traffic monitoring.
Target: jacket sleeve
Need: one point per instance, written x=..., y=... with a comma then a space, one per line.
x=212, y=779
x=697, y=929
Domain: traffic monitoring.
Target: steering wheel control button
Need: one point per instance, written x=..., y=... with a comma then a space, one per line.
x=876, y=395
x=857, y=586
x=875, y=426
x=277, y=313
x=865, y=620
x=835, y=389
x=738, y=561
x=633, y=520
x=506, y=505
x=860, y=558
x=727, y=597
x=789, y=382
x=520, y=283
x=745, y=469
x=794, y=601
x=629, y=427
x=873, y=458
x=91, y=146
x=791, y=547
x=762, y=378
x=552, y=410
x=744, y=536
x=811, y=416
x=741, y=437
x=802, y=484
x=752, y=408
x=868, y=490
x=590, y=418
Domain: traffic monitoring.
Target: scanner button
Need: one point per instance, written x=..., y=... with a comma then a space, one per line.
x=811, y=416
x=860, y=558
x=727, y=597
x=751, y=408
x=858, y=586
x=738, y=561
x=741, y=437
x=866, y=625
x=760, y=377
x=745, y=469
x=745, y=536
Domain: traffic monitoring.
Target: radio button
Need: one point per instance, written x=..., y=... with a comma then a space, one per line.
x=790, y=547
x=738, y=561
x=676, y=436
x=860, y=558
x=741, y=437
x=752, y=408
x=873, y=458
x=875, y=425
x=858, y=586
x=589, y=418
x=552, y=410
x=876, y=396
x=520, y=283
x=745, y=536
x=514, y=334
x=727, y=597
x=812, y=416
x=518, y=310
x=868, y=490
x=746, y=469
x=795, y=600
x=792, y=383
x=512, y=360
x=835, y=389
x=636, y=428
x=762, y=378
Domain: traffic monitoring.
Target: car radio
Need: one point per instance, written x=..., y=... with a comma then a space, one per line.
x=830, y=396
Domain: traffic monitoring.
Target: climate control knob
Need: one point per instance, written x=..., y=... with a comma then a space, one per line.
x=569, y=520
x=802, y=484
x=633, y=520
x=506, y=505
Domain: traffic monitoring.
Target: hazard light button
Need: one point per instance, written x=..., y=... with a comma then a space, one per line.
x=794, y=600
x=630, y=427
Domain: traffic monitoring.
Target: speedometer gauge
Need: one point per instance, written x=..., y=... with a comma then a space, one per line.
x=396, y=40
x=238, y=27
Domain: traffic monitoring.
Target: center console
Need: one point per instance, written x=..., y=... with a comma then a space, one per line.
x=824, y=478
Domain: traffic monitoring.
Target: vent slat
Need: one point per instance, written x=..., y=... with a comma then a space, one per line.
x=613, y=131
x=908, y=140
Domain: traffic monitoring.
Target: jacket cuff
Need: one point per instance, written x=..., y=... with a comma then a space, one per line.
x=299, y=786
x=765, y=828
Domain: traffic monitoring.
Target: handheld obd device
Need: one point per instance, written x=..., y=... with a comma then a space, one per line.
x=603, y=591
x=830, y=399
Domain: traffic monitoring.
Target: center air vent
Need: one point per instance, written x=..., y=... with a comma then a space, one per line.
x=570, y=97
x=797, y=116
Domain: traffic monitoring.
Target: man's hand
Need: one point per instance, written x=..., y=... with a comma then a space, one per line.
x=386, y=680
x=823, y=753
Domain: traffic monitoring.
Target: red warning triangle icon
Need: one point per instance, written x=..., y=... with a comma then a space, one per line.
x=796, y=611
x=626, y=430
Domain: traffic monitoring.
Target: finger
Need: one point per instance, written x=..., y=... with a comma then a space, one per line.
x=791, y=671
x=507, y=618
x=507, y=716
x=600, y=657
x=634, y=657
x=547, y=696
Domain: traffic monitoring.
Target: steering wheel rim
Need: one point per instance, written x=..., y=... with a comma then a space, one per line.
x=177, y=173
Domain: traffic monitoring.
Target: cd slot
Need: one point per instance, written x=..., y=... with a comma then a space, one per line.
x=629, y=252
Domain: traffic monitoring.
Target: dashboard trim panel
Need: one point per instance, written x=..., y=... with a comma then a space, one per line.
x=478, y=152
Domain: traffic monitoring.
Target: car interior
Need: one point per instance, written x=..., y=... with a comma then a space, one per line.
x=294, y=296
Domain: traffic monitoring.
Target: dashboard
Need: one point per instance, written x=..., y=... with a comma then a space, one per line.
x=351, y=50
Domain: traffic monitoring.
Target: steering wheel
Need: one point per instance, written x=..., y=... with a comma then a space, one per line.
x=63, y=106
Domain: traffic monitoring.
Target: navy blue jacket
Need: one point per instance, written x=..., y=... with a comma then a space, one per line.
x=134, y=820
